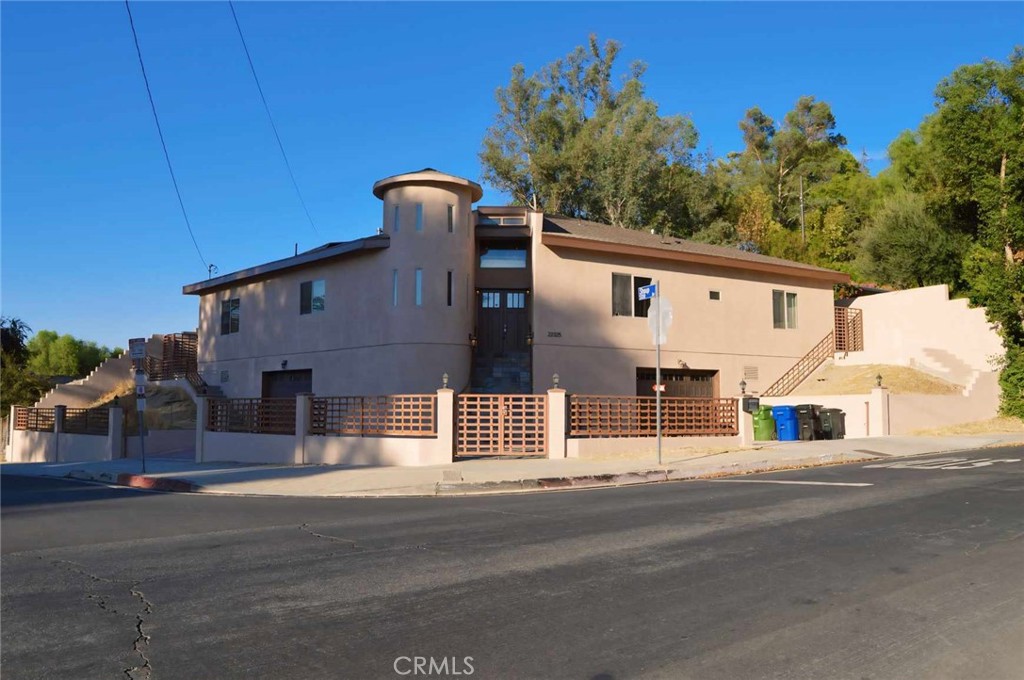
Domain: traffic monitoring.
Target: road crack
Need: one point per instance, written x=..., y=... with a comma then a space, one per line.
x=305, y=527
x=141, y=644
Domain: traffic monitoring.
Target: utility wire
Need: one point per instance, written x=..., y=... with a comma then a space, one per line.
x=266, y=107
x=160, y=132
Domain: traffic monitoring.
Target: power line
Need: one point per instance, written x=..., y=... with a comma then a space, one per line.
x=160, y=132
x=266, y=107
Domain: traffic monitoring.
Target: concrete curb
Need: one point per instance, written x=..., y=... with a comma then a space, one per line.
x=710, y=471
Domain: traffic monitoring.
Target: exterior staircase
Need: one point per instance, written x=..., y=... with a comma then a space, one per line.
x=825, y=349
x=103, y=380
x=508, y=374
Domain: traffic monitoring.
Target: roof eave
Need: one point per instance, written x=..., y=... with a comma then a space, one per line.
x=267, y=269
x=582, y=243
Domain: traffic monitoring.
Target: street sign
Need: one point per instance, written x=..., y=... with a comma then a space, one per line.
x=140, y=404
x=140, y=391
x=659, y=319
x=137, y=348
x=647, y=292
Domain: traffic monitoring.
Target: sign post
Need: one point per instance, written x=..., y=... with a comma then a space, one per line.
x=661, y=310
x=140, y=405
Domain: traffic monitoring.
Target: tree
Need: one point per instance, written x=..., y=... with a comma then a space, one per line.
x=18, y=385
x=906, y=247
x=568, y=140
x=13, y=336
x=51, y=354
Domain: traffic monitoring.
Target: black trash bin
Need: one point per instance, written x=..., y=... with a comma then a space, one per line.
x=808, y=422
x=833, y=423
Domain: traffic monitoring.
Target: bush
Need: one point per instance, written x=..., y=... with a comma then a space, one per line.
x=1011, y=380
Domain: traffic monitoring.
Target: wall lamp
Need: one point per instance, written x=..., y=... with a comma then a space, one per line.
x=743, y=386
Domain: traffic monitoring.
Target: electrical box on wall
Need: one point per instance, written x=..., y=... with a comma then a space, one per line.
x=751, y=404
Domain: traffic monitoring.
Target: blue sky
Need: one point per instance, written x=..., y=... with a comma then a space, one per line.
x=93, y=242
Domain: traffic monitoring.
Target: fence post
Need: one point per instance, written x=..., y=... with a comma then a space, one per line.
x=556, y=423
x=878, y=425
x=59, y=412
x=202, y=415
x=9, y=452
x=303, y=413
x=446, y=424
x=115, y=432
x=745, y=423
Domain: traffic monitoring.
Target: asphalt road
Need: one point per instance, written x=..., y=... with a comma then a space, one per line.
x=882, y=572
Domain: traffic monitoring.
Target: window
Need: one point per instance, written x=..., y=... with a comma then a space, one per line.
x=714, y=295
x=502, y=255
x=790, y=310
x=419, y=217
x=229, y=316
x=640, y=307
x=783, y=309
x=394, y=220
x=515, y=301
x=450, y=287
x=394, y=287
x=485, y=221
x=311, y=296
x=419, y=287
x=451, y=219
x=624, y=295
x=490, y=300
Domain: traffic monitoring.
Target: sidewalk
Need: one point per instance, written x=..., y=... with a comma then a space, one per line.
x=492, y=475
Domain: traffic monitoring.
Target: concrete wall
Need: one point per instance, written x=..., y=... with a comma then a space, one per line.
x=597, y=353
x=865, y=413
x=160, y=442
x=923, y=328
x=912, y=412
x=593, y=447
x=243, y=447
x=37, y=447
x=331, y=450
x=361, y=343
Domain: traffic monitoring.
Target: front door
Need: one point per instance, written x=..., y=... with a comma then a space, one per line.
x=503, y=323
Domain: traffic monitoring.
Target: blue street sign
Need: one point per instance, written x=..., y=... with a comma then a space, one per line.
x=646, y=292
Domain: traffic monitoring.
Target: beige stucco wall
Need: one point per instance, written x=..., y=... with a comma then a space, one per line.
x=916, y=328
x=912, y=412
x=160, y=442
x=243, y=447
x=598, y=353
x=672, y=447
x=409, y=451
x=29, y=446
x=361, y=343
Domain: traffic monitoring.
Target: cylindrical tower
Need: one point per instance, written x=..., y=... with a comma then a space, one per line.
x=427, y=216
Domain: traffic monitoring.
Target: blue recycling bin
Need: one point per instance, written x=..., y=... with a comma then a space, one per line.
x=786, y=423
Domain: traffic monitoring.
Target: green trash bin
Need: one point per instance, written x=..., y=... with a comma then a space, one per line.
x=764, y=424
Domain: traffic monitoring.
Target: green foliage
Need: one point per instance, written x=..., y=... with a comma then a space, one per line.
x=51, y=354
x=568, y=140
x=906, y=247
x=1011, y=380
x=13, y=336
x=18, y=385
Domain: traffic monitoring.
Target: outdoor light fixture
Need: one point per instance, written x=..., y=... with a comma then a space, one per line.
x=529, y=338
x=444, y=381
x=878, y=380
x=284, y=364
x=743, y=386
x=554, y=379
x=472, y=340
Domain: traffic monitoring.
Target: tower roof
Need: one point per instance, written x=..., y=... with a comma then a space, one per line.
x=427, y=176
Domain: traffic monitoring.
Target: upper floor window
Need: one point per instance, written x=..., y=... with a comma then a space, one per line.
x=714, y=295
x=312, y=296
x=451, y=284
x=502, y=255
x=624, y=295
x=783, y=309
x=229, y=316
x=486, y=221
x=394, y=287
x=451, y=219
x=419, y=287
x=396, y=213
x=419, y=217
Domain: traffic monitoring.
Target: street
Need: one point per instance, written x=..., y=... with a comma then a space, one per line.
x=905, y=568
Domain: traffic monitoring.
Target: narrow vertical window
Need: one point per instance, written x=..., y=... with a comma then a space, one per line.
x=419, y=287
x=394, y=287
x=778, y=309
x=790, y=310
x=229, y=316
x=622, y=301
x=419, y=217
x=451, y=219
x=451, y=281
x=312, y=296
x=394, y=220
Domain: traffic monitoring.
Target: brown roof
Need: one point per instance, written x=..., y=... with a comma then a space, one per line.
x=574, y=232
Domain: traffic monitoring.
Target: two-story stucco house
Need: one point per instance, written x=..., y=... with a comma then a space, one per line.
x=501, y=299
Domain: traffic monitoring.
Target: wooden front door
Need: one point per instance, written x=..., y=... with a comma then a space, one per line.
x=503, y=322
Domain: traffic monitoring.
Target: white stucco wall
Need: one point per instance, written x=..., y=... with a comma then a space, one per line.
x=598, y=353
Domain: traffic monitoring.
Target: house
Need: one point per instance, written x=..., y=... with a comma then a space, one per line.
x=500, y=299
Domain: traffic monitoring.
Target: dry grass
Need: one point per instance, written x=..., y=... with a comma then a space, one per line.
x=167, y=408
x=998, y=425
x=861, y=379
